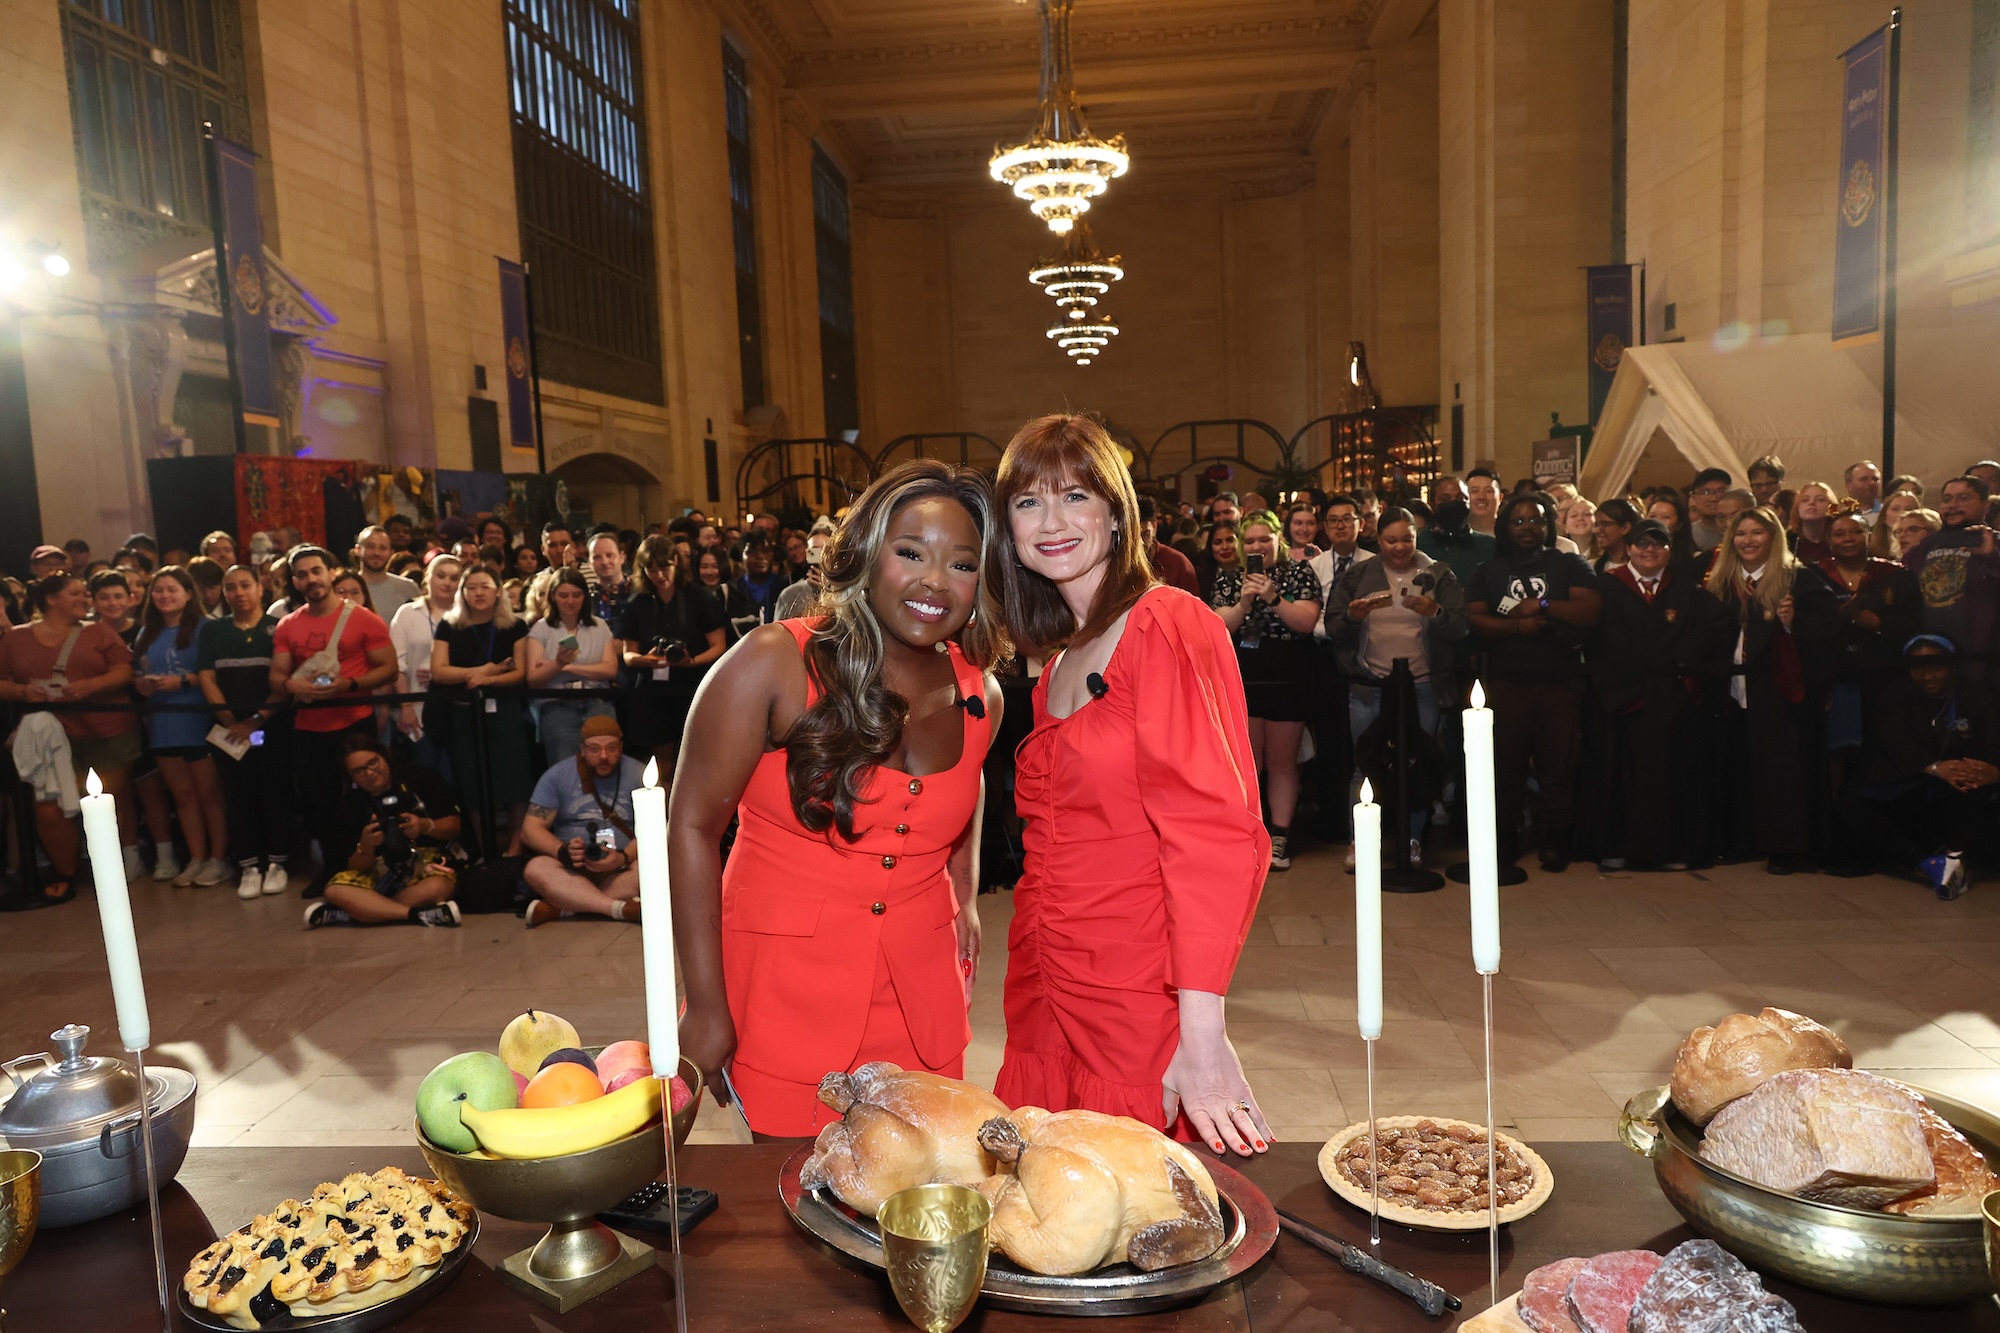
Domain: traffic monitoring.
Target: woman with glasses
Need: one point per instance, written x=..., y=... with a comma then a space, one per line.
x=1610, y=527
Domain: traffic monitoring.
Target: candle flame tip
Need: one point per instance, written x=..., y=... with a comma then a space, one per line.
x=1478, y=695
x=1367, y=792
x=653, y=772
x=94, y=784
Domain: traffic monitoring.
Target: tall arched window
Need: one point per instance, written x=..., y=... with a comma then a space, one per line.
x=840, y=392
x=581, y=180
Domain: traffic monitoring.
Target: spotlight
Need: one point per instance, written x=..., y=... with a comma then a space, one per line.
x=12, y=274
x=57, y=266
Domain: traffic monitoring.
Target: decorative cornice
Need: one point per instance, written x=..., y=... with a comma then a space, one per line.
x=767, y=24
x=1144, y=41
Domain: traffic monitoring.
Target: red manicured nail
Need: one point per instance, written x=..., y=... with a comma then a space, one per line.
x=1260, y=1145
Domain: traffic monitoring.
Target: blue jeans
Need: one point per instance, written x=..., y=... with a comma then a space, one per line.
x=1364, y=705
x=562, y=725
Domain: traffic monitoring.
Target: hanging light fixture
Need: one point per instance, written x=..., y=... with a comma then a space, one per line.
x=1062, y=166
x=1082, y=336
x=1080, y=276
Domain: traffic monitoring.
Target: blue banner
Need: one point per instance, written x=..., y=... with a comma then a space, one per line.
x=1610, y=291
x=242, y=278
x=1858, y=235
x=520, y=354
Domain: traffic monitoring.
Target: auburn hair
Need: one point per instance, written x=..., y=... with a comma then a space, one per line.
x=1047, y=454
x=855, y=723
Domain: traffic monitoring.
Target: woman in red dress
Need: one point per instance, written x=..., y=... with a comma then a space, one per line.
x=848, y=747
x=1145, y=846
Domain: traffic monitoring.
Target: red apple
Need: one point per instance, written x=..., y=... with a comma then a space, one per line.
x=624, y=1062
x=680, y=1093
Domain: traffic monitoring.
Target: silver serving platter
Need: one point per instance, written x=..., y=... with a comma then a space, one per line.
x=1250, y=1225
x=360, y=1321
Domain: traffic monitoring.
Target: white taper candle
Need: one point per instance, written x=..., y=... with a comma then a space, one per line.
x=1482, y=832
x=1368, y=914
x=656, y=924
x=114, y=910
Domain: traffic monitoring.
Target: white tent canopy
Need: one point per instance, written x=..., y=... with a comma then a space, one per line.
x=1675, y=408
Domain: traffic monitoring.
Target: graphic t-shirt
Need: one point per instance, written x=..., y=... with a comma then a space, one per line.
x=561, y=790
x=1944, y=576
x=1549, y=576
x=301, y=634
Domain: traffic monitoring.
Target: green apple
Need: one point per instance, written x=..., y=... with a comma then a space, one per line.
x=476, y=1079
x=532, y=1037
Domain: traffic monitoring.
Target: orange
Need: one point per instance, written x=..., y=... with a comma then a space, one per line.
x=563, y=1084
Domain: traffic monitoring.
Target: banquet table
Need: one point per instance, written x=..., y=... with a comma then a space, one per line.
x=750, y=1268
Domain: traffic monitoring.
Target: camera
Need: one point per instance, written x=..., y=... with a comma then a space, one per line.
x=396, y=847
x=671, y=649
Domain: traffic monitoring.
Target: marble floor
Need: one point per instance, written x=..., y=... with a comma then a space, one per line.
x=322, y=1038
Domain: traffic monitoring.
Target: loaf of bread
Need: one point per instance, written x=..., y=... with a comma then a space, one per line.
x=1717, y=1065
x=1963, y=1176
x=1830, y=1135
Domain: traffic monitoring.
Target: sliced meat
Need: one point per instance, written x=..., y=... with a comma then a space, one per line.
x=1544, y=1303
x=1703, y=1288
x=1602, y=1292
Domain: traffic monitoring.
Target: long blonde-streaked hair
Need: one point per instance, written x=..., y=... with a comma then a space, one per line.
x=503, y=609
x=1050, y=452
x=1779, y=566
x=856, y=722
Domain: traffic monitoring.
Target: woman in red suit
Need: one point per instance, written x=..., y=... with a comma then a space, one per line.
x=1146, y=848
x=848, y=746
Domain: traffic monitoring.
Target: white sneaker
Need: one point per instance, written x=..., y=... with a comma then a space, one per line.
x=1349, y=858
x=275, y=881
x=186, y=876
x=249, y=884
x=166, y=868
x=134, y=867
x=209, y=873
x=1416, y=854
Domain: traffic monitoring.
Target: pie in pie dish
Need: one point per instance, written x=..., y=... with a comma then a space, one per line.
x=1433, y=1172
x=350, y=1246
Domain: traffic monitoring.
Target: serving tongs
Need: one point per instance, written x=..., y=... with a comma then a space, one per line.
x=1429, y=1296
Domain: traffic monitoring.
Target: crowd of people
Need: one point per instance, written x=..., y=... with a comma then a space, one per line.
x=388, y=716
x=1790, y=670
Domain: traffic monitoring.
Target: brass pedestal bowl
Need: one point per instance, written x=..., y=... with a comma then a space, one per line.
x=579, y=1258
x=20, y=1208
x=1849, y=1252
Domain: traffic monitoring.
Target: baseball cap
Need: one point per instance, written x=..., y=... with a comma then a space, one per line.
x=46, y=552
x=1649, y=529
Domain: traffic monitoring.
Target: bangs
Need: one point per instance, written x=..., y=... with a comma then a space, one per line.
x=1050, y=461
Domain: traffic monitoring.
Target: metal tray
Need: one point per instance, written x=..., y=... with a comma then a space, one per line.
x=1250, y=1225
x=361, y=1321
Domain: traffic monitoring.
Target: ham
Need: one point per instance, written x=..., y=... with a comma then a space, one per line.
x=1544, y=1303
x=1602, y=1292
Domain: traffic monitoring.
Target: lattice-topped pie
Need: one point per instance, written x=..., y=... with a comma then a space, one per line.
x=352, y=1245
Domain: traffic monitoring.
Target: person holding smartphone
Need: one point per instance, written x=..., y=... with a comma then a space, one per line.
x=668, y=635
x=570, y=649
x=1271, y=604
x=233, y=659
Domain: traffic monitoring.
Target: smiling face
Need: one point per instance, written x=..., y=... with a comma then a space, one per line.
x=925, y=583
x=1258, y=539
x=1301, y=527
x=1752, y=541
x=1607, y=529
x=374, y=551
x=1648, y=557
x=1399, y=545
x=1061, y=532
x=1960, y=505
x=709, y=571
x=311, y=579
x=170, y=597
x=350, y=589
x=568, y=599
x=1527, y=530
x=1848, y=537
x=1222, y=546
x=1579, y=520
x=607, y=561
x=1482, y=497
x=112, y=601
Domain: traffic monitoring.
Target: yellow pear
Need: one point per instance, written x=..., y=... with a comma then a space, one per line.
x=531, y=1037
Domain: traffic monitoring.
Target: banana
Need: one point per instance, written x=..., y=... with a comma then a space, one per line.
x=557, y=1131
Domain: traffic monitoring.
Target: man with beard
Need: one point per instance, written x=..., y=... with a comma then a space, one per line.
x=387, y=592
x=1958, y=572
x=579, y=827
x=1532, y=605
x=1639, y=654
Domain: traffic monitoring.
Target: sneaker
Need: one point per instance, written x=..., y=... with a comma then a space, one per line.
x=1946, y=875
x=274, y=881
x=1416, y=853
x=249, y=884
x=186, y=877
x=323, y=913
x=540, y=913
x=1281, y=851
x=626, y=910
x=135, y=868
x=1610, y=863
x=443, y=914
x=1440, y=813
x=1348, y=860
x=209, y=873
x=166, y=868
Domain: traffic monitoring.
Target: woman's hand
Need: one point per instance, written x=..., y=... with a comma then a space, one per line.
x=969, y=938
x=1205, y=1079
x=409, y=723
x=708, y=1040
x=239, y=731
x=1422, y=604
x=1259, y=587
x=146, y=685
x=1787, y=611
x=564, y=656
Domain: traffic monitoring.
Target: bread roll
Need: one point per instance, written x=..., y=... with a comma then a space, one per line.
x=1717, y=1065
x=1830, y=1135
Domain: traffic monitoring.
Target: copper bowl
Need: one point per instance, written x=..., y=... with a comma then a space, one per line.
x=1848, y=1252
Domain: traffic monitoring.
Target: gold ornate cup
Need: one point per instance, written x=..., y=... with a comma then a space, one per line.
x=20, y=1208
x=1989, y=1210
x=934, y=1247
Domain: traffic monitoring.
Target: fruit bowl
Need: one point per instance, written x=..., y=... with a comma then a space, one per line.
x=579, y=1258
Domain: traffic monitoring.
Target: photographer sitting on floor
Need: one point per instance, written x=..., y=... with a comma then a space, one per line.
x=580, y=827
x=393, y=839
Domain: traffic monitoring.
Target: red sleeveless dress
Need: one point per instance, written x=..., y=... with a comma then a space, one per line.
x=1145, y=856
x=838, y=953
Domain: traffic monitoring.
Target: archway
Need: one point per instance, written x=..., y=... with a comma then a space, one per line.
x=610, y=488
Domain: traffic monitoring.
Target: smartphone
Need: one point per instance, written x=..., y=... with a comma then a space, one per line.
x=256, y=738
x=1254, y=565
x=815, y=555
x=568, y=642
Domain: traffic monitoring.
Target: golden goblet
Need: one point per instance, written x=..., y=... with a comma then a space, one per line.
x=20, y=1208
x=934, y=1247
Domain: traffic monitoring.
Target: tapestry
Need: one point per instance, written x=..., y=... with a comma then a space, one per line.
x=294, y=492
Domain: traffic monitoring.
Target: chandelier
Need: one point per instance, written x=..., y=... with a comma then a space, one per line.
x=1083, y=336
x=1080, y=276
x=1062, y=166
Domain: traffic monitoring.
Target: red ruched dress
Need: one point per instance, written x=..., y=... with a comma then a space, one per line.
x=1145, y=856
x=837, y=953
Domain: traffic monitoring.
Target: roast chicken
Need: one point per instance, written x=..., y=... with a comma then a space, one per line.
x=897, y=1131
x=1089, y=1189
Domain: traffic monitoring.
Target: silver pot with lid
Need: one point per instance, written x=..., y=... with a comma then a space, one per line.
x=81, y=1112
